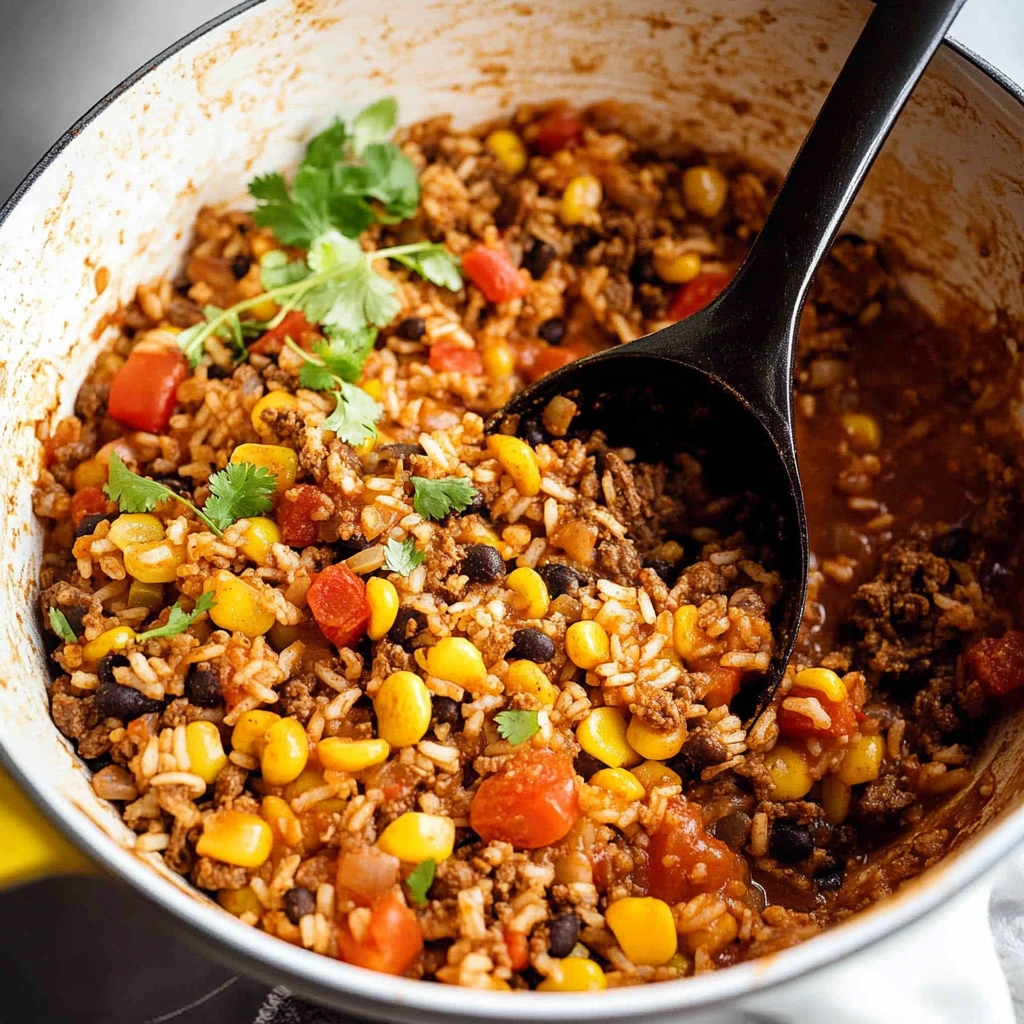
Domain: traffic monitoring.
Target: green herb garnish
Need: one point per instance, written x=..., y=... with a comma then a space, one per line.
x=178, y=621
x=434, y=499
x=354, y=416
x=516, y=726
x=402, y=557
x=61, y=626
x=420, y=879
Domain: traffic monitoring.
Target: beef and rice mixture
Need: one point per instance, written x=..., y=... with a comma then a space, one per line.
x=458, y=707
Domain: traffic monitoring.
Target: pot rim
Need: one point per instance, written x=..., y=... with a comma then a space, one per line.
x=378, y=995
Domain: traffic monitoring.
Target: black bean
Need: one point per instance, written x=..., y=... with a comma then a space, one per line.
x=394, y=452
x=74, y=614
x=701, y=750
x=240, y=266
x=733, y=829
x=469, y=775
x=789, y=842
x=298, y=903
x=552, y=331
x=586, y=764
x=955, y=544
x=531, y=644
x=88, y=524
x=173, y=482
x=447, y=712
x=663, y=568
x=559, y=579
x=483, y=564
x=202, y=687
x=582, y=248
x=532, y=432
x=830, y=875
x=407, y=624
x=105, y=669
x=538, y=258
x=350, y=545
x=507, y=212
x=476, y=505
x=123, y=702
x=412, y=328
x=564, y=932
x=642, y=271
x=217, y=372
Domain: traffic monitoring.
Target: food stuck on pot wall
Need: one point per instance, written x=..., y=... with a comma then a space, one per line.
x=469, y=708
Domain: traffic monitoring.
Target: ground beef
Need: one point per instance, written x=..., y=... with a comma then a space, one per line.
x=212, y=874
x=297, y=700
x=72, y=715
x=229, y=785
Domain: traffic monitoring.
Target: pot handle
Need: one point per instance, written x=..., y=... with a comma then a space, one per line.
x=31, y=848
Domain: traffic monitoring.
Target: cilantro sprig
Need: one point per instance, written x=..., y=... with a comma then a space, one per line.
x=60, y=625
x=402, y=556
x=517, y=726
x=434, y=499
x=236, y=492
x=347, y=179
x=420, y=879
x=178, y=621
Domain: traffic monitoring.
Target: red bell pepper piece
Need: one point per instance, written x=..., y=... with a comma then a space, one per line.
x=145, y=390
x=337, y=599
x=448, y=356
x=494, y=273
x=696, y=294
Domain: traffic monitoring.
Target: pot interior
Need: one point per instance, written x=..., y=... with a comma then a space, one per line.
x=112, y=208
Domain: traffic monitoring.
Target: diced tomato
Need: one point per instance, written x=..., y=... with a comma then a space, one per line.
x=67, y=432
x=725, y=684
x=294, y=326
x=530, y=804
x=451, y=357
x=144, y=391
x=494, y=273
x=89, y=501
x=295, y=515
x=998, y=665
x=842, y=713
x=684, y=859
x=337, y=599
x=518, y=950
x=391, y=942
x=696, y=294
x=557, y=130
x=535, y=359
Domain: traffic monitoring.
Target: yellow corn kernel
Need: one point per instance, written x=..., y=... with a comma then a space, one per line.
x=499, y=361
x=508, y=148
x=619, y=782
x=586, y=643
x=715, y=937
x=285, y=752
x=519, y=460
x=863, y=431
x=271, y=400
x=528, y=677
x=351, y=755
x=653, y=773
x=116, y=639
x=578, y=974
x=146, y=595
x=835, y=799
x=251, y=727
x=132, y=528
x=383, y=601
x=705, y=190
x=497, y=985
x=655, y=744
x=458, y=661
x=603, y=735
x=91, y=473
x=205, y=750
x=414, y=836
x=275, y=458
x=671, y=551
x=531, y=592
x=239, y=901
x=282, y=820
x=154, y=561
x=260, y=536
x=824, y=681
x=581, y=201
x=862, y=761
x=266, y=309
x=238, y=608
x=236, y=837
x=678, y=269
x=686, y=636
x=788, y=771
x=644, y=928
x=403, y=709
x=311, y=778
x=374, y=388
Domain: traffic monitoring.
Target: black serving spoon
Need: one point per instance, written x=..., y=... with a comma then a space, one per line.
x=719, y=383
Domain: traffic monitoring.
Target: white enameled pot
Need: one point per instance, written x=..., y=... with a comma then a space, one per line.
x=113, y=201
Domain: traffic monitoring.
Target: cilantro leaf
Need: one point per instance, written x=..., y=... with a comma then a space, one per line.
x=288, y=218
x=402, y=557
x=133, y=493
x=436, y=264
x=60, y=625
x=354, y=415
x=517, y=726
x=277, y=271
x=239, y=491
x=316, y=377
x=345, y=352
x=434, y=499
x=374, y=124
x=328, y=147
x=393, y=180
x=178, y=621
x=420, y=879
